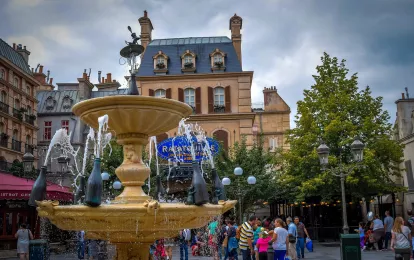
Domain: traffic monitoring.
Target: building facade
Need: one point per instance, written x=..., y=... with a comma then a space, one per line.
x=206, y=73
x=18, y=104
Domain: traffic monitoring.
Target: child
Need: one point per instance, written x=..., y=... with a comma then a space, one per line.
x=159, y=250
x=262, y=245
x=361, y=235
x=369, y=240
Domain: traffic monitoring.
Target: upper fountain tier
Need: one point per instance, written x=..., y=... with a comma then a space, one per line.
x=148, y=116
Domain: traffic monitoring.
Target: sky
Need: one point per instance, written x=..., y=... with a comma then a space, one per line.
x=282, y=40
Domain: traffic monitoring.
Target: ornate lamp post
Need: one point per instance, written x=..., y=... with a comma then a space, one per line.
x=357, y=148
x=240, y=192
x=28, y=160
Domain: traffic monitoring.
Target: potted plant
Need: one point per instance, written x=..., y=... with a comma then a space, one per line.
x=188, y=65
x=219, y=108
x=32, y=117
x=160, y=65
x=20, y=113
x=4, y=136
x=218, y=64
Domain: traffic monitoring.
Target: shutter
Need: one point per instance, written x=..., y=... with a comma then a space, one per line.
x=168, y=93
x=198, y=100
x=409, y=172
x=181, y=95
x=151, y=92
x=210, y=100
x=227, y=98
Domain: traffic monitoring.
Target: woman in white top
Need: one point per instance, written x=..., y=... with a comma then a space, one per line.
x=280, y=240
x=23, y=236
x=378, y=227
x=401, y=239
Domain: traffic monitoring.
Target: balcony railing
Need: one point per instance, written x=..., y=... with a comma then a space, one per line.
x=29, y=119
x=16, y=145
x=16, y=112
x=3, y=142
x=219, y=109
x=5, y=166
x=4, y=108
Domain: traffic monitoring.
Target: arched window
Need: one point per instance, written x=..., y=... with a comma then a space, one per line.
x=16, y=82
x=15, y=135
x=28, y=90
x=2, y=128
x=29, y=110
x=3, y=97
x=219, y=96
x=223, y=137
x=188, y=59
x=160, y=60
x=28, y=139
x=160, y=93
x=17, y=104
x=2, y=74
x=218, y=58
x=189, y=97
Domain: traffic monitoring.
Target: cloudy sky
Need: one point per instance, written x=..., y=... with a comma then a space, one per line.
x=282, y=42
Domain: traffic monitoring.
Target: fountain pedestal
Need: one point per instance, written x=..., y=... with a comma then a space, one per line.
x=133, y=221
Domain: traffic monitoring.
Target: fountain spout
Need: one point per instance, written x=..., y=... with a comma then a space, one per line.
x=38, y=192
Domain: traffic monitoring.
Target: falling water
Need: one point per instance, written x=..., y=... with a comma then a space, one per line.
x=62, y=139
x=153, y=139
x=103, y=127
x=186, y=130
x=90, y=136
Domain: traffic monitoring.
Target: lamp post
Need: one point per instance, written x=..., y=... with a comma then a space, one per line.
x=28, y=160
x=357, y=148
x=251, y=180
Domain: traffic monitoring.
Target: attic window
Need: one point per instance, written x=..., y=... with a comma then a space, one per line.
x=50, y=103
x=160, y=93
x=160, y=63
x=188, y=61
x=67, y=102
x=218, y=61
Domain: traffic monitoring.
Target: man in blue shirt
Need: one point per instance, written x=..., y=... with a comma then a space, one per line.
x=292, y=231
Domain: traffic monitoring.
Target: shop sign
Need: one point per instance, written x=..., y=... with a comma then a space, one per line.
x=178, y=149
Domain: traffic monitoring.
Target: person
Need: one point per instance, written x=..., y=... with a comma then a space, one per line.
x=93, y=249
x=256, y=233
x=269, y=229
x=232, y=244
x=377, y=227
x=300, y=243
x=262, y=244
x=401, y=239
x=222, y=240
x=361, y=232
x=23, y=236
x=292, y=232
x=185, y=236
x=280, y=240
x=212, y=238
x=81, y=244
x=246, y=238
x=197, y=244
x=388, y=225
x=410, y=224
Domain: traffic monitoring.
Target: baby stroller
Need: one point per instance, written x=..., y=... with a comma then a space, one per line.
x=369, y=240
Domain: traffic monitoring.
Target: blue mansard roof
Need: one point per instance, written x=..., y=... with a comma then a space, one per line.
x=200, y=46
x=9, y=53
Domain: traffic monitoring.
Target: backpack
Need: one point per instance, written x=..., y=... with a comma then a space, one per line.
x=238, y=231
x=410, y=224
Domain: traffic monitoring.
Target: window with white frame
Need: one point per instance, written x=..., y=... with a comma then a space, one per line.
x=160, y=93
x=273, y=144
x=160, y=60
x=189, y=97
x=16, y=82
x=28, y=90
x=219, y=96
x=218, y=58
x=29, y=110
x=3, y=97
x=188, y=59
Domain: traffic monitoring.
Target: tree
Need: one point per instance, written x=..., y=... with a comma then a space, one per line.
x=334, y=110
x=255, y=161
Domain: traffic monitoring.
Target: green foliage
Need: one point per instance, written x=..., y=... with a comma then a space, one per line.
x=255, y=161
x=17, y=169
x=334, y=110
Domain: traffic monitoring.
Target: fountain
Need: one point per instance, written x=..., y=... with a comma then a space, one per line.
x=133, y=220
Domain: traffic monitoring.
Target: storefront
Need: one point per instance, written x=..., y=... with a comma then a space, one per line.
x=14, y=194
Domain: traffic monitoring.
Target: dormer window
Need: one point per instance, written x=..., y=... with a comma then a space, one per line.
x=160, y=63
x=188, y=62
x=218, y=62
x=160, y=93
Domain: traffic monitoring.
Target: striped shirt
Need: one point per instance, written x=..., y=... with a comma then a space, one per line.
x=246, y=232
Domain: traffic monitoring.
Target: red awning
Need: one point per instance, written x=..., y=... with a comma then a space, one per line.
x=15, y=188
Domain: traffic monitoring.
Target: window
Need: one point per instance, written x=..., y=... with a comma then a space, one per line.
x=17, y=104
x=160, y=60
x=29, y=110
x=1, y=127
x=2, y=74
x=28, y=90
x=188, y=59
x=218, y=58
x=3, y=97
x=65, y=125
x=273, y=144
x=28, y=139
x=16, y=82
x=219, y=96
x=15, y=135
x=189, y=97
x=48, y=130
x=160, y=93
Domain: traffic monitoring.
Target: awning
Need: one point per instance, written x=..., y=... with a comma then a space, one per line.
x=15, y=188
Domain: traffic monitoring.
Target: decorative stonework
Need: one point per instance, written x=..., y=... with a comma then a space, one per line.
x=50, y=103
x=217, y=59
x=67, y=102
x=188, y=61
x=160, y=63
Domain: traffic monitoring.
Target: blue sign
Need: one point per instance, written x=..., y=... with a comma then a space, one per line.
x=178, y=149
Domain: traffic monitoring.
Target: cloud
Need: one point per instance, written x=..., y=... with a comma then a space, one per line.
x=38, y=52
x=64, y=36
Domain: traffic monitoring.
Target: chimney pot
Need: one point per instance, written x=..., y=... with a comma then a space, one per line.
x=24, y=47
x=402, y=96
x=145, y=13
x=41, y=69
x=14, y=46
x=109, y=77
x=114, y=80
x=103, y=80
x=84, y=75
x=51, y=81
x=32, y=70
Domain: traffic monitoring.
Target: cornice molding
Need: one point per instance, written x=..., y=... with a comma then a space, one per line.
x=221, y=117
x=20, y=71
x=197, y=76
x=21, y=92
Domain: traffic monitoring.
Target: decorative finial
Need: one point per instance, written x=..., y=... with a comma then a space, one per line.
x=134, y=37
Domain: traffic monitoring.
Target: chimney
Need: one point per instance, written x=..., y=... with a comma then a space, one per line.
x=235, y=27
x=103, y=80
x=51, y=81
x=39, y=76
x=22, y=51
x=146, y=30
x=108, y=77
x=14, y=46
x=41, y=69
x=402, y=96
x=99, y=76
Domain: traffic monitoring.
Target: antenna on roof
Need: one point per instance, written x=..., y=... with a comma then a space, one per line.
x=48, y=74
x=406, y=91
x=89, y=73
x=37, y=67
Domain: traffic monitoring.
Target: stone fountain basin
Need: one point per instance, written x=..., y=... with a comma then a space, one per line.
x=133, y=114
x=126, y=223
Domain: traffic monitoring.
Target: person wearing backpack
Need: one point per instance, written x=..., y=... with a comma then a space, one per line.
x=185, y=237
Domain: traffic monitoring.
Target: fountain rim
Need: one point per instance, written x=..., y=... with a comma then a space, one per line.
x=120, y=101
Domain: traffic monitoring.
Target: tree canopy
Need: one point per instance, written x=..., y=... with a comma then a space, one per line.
x=336, y=111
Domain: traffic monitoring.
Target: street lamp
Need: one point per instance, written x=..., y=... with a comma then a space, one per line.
x=238, y=171
x=105, y=176
x=357, y=148
x=28, y=160
x=117, y=185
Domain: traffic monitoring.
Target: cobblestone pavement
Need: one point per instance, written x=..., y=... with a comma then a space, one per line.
x=321, y=252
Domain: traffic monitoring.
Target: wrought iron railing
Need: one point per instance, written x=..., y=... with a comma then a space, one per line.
x=219, y=109
x=29, y=119
x=16, y=145
x=4, y=108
